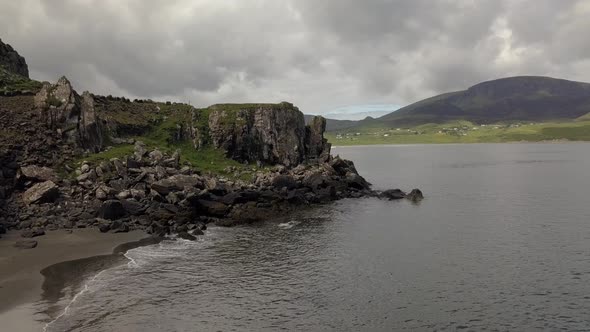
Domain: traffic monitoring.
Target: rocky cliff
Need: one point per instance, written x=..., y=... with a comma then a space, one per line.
x=12, y=61
x=269, y=133
x=70, y=160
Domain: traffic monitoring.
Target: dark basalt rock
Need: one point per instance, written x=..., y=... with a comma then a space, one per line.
x=112, y=209
x=198, y=232
x=186, y=236
x=133, y=208
x=284, y=181
x=393, y=194
x=12, y=61
x=415, y=195
x=212, y=208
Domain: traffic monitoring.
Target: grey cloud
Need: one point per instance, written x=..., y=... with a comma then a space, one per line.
x=317, y=54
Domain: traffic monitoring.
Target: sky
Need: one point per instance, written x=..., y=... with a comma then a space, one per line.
x=347, y=58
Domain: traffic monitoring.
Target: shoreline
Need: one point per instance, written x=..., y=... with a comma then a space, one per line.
x=459, y=143
x=33, y=277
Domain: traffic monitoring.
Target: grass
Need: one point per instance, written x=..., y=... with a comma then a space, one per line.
x=158, y=125
x=10, y=82
x=465, y=132
x=116, y=151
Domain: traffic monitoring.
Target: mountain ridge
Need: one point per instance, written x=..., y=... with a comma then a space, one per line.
x=516, y=98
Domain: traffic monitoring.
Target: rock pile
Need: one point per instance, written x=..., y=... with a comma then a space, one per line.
x=151, y=190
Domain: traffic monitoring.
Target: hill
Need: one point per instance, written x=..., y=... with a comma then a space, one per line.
x=522, y=98
x=332, y=124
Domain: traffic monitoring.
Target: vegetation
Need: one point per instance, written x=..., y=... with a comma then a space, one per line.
x=523, y=98
x=164, y=126
x=14, y=83
x=464, y=132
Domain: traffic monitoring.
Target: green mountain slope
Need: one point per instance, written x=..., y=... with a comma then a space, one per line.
x=523, y=98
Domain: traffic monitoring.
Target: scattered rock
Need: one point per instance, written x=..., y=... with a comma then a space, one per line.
x=393, y=194
x=112, y=209
x=45, y=192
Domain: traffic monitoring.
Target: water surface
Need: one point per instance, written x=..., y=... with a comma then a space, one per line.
x=501, y=242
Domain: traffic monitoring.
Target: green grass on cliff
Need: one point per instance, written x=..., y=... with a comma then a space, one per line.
x=464, y=132
x=10, y=82
x=158, y=125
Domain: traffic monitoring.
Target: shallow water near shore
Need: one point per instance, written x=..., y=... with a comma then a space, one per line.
x=501, y=242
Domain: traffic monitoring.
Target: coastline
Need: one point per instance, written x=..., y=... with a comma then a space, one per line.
x=61, y=259
x=460, y=143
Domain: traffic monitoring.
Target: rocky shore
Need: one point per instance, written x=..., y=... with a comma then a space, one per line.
x=151, y=190
x=78, y=161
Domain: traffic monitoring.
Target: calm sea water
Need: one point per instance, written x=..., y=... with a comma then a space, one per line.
x=501, y=242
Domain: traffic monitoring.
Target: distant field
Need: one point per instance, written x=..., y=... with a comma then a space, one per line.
x=465, y=132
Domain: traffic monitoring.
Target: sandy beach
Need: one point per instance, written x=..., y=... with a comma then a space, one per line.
x=65, y=259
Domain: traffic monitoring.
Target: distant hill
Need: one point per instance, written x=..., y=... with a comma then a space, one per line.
x=332, y=124
x=522, y=98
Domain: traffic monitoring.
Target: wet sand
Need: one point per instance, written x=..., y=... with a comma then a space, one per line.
x=64, y=259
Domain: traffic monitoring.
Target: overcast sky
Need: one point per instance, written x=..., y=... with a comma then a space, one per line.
x=322, y=55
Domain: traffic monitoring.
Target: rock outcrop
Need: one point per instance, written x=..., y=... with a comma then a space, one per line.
x=12, y=61
x=268, y=133
x=316, y=146
x=286, y=164
x=70, y=115
x=272, y=134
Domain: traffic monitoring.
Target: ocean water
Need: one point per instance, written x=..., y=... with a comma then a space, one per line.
x=501, y=242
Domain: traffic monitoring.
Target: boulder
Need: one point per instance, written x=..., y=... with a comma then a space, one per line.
x=156, y=155
x=415, y=195
x=175, y=183
x=29, y=233
x=133, y=208
x=186, y=236
x=25, y=244
x=38, y=173
x=111, y=210
x=240, y=197
x=392, y=194
x=158, y=229
x=212, y=208
x=284, y=181
x=139, y=150
x=356, y=181
x=44, y=192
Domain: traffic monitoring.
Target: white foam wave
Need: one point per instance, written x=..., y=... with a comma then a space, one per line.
x=289, y=225
x=67, y=308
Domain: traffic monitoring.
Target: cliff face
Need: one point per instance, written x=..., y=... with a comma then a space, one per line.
x=12, y=61
x=70, y=115
x=269, y=133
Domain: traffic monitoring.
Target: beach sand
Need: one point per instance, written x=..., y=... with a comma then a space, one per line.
x=65, y=259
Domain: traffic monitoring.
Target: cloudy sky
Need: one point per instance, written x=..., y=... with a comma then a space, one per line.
x=323, y=55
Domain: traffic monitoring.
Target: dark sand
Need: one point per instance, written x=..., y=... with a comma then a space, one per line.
x=64, y=259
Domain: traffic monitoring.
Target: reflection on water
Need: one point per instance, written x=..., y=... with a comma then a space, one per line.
x=500, y=242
